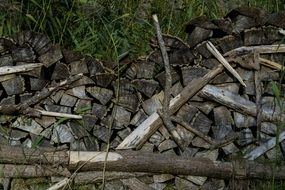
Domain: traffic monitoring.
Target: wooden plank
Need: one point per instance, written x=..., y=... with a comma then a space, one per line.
x=143, y=132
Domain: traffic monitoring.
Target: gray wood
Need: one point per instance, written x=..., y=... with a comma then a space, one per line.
x=237, y=103
x=141, y=134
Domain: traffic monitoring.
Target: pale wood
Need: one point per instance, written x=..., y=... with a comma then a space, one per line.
x=258, y=151
x=271, y=64
x=262, y=49
x=143, y=132
x=223, y=61
x=60, y=184
x=6, y=70
x=57, y=114
x=238, y=103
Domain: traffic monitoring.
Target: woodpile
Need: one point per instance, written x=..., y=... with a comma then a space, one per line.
x=224, y=104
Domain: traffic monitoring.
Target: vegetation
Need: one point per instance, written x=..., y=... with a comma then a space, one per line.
x=108, y=29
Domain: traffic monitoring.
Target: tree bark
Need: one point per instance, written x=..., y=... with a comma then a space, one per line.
x=135, y=161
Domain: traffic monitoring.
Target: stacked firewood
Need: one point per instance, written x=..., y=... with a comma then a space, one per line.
x=53, y=97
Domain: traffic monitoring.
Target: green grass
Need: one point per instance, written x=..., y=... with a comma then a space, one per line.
x=107, y=29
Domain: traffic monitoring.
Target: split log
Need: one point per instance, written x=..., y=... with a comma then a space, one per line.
x=131, y=161
x=44, y=93
x=238, y=103
x=142, y=133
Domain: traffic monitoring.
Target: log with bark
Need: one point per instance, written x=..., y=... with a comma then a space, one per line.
x=226, y=98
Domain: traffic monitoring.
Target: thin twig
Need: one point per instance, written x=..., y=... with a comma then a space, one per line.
x=165, y=114
x=191, y=129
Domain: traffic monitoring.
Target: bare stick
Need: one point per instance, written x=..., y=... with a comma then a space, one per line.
x=271, y=64
x=262, y=49
x=222, y=60
x=6, y=70
x=165, y=115
x=191, y=129
x=258, y=92
x=144, y=131
x=57, y=114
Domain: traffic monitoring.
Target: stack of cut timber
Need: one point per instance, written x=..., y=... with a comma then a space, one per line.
x=52, y=97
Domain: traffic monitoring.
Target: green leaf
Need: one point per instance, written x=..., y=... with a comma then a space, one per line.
x=31, y=17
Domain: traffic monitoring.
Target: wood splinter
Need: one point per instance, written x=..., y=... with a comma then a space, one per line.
x=223, y=61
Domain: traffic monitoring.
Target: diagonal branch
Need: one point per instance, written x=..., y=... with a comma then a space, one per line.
x=165, y=114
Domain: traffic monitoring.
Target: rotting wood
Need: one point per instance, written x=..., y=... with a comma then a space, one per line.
x=223, y=61
x=133, y=161
x=142, y=133
x=6, y=70
x=238, y=103
x=165, y=115
x=262, y=49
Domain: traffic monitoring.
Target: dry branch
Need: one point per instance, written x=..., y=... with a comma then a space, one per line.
x=142, y=133
x=238, y=103
x=223, y=61
x=165, y=115
x=271, y=64
x=278, y=48
x=133, y=161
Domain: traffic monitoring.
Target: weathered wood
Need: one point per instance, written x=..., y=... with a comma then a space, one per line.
x=29, y=171
x=238, y=103
x=141, y=134
x=276, y=48
x=165, y=113
x=20, y=155
x=271, y=64
x=131, y=161
x=258, y=151
x=223, y=61
x=5, y=70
